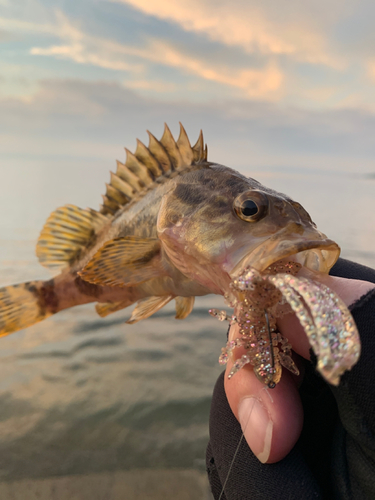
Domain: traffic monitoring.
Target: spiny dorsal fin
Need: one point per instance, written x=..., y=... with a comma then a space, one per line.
x=150, y=164
x=115, y=194
x=171, y=148
x=147, y=307
x=144, y=156
x=128, y=176
x=106, y=308
x=184, y=306
x=124, y=262
x=69, y=230
x=122, y=186
x=138, y=169
x=184, y=147
x=159, y=153
x=109, y=205
x=199, y=150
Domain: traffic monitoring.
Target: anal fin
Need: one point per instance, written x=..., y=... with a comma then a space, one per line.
x=184, y=306
x=106, y=308
x=147, y=307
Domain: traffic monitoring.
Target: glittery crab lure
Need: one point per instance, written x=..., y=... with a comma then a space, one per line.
x=260, y=298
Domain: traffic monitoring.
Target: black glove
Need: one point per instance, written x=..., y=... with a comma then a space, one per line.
x=335, y=454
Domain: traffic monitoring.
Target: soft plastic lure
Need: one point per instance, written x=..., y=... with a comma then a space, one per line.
x=261, y=298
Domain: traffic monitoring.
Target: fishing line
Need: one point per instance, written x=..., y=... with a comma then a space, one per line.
x=271, y=385
x=235, y=453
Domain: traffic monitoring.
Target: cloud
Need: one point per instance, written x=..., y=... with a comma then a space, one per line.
x=241, y=50
x=152, y=85
x=79, y=54
x=218, y=22
x=371, y=69
x=249, y=26
x=86, y=120
x=83, y=48
x=254, y=82
x=18, y=25
x=5, y=36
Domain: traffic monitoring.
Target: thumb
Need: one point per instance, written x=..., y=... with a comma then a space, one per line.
x=271, y=419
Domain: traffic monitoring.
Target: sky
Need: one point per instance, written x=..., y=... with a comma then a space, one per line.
x=273, y=84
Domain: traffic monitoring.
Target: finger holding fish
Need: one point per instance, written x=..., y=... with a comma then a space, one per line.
x=272, y=419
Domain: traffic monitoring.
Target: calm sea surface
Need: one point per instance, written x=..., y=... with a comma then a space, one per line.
x=84, y=395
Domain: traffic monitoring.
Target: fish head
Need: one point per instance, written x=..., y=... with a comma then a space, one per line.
x=214, y=222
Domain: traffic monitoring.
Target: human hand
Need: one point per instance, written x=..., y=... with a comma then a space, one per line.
x=272, y=419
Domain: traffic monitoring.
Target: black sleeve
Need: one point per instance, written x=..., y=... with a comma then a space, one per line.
x=335, y=455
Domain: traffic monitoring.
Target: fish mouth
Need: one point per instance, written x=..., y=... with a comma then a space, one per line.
x=311, y=249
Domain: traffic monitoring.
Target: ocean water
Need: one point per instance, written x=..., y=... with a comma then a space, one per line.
x=81, y=395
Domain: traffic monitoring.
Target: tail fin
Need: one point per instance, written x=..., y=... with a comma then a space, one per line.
x=25, y=304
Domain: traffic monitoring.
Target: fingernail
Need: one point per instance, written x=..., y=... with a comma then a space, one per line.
x=257, y=427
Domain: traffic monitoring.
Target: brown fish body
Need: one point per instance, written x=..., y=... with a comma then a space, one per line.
x=172, y=226
x=139, y=220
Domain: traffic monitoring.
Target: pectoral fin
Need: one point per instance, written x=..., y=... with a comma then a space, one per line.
x=125, y=262
x=184, y=306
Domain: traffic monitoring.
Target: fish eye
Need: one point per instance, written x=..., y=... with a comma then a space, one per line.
x=251, y=206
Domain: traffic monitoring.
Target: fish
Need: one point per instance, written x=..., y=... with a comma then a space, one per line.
x=172, y=226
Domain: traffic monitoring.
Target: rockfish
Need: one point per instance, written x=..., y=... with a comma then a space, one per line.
x=172, y=226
